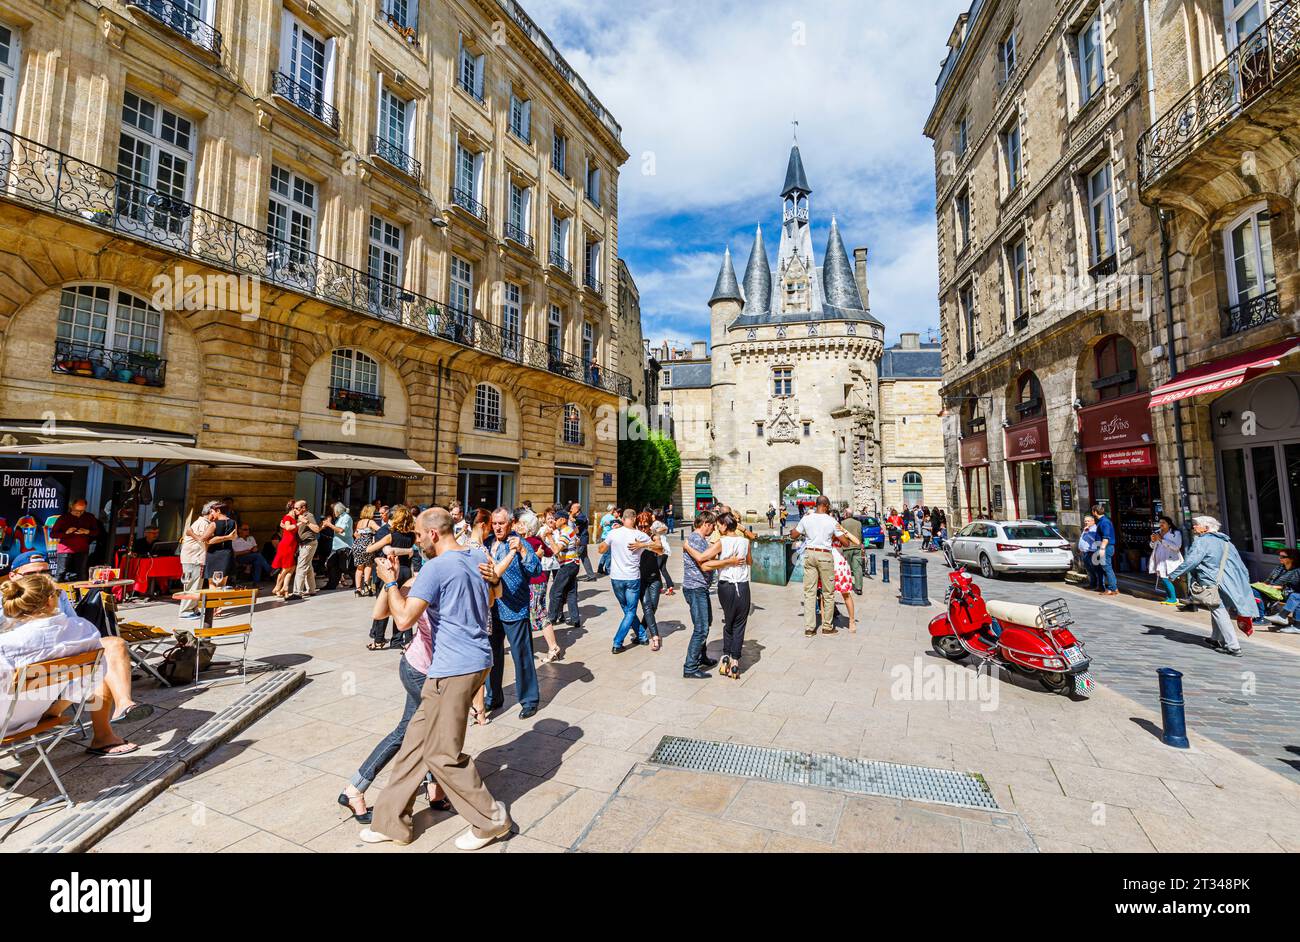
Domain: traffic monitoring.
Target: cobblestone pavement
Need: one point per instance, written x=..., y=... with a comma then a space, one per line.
x=1249, y=704
x=1067, y=775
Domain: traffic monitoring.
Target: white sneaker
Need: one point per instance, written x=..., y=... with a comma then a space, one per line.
x=468, y=841
x=374, y=837
x=1280, y=620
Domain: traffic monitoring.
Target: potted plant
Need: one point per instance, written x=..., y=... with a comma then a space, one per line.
x=146, y=368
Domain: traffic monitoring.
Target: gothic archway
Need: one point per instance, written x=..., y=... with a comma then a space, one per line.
x=800, y=481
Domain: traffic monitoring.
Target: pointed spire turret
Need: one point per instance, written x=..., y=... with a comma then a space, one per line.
x=796, y=180
x=839, y=285
x=758, y=278
x=727, y=288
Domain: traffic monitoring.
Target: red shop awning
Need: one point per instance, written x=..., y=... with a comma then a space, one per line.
x=1222, y=375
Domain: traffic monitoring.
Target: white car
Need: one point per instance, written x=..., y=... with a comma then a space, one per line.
x=997, y=546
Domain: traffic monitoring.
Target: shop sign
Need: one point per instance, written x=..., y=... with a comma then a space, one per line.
x=997, y=497
x=975, y=450
x=1124, y=423
x=1067, y=495
x=29, y=503
x=1027, y=441
x=1125, y=459
x=608, y=479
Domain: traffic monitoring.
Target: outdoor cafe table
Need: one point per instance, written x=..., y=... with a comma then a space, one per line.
x=144, y=569
x=81, y=588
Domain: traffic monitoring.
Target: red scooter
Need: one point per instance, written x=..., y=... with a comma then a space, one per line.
x=1025, y=639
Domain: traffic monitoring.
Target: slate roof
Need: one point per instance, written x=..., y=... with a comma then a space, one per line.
x=925, y=363
x=692, y=374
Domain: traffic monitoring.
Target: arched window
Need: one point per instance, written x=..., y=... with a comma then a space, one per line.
x=354, y=383
x=1029, y=397
x=487, y=409
x=972, y=418
x=109, y=334
x=1116, y=369
x=913, y=489
x=573, y=425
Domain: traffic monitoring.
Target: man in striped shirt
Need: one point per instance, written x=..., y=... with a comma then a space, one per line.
x=567, y=546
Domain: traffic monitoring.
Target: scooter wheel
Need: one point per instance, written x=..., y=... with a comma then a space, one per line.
x=948, y=647
x=1056, y=682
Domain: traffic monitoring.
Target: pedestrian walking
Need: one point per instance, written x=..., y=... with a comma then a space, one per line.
x=1166, y=556
x=733, y=594
x=1106, y=550
x=515, y=565
x=582, y=526
x=456, y=588
x=608, y=521
x=670, y=517
x=1088, y=543
x=1221, y=583
x=818, y=529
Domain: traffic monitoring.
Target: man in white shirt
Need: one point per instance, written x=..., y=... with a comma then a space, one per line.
x=248, y=555
x=625, y=544
x=818, y=529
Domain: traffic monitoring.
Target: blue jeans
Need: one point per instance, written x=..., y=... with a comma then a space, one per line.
x=521, y=650
x=650, y=605
x=701, y=617
x=1108, y=571
x=259, y=569
x=604, y=563
x=628, y=593
x=413, y=683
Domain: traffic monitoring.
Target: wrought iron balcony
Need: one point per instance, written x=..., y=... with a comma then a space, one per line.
x=558, y=261
x=305, y=98
x=1256, y=66
x=74, y=358
x=358, y=403
x=521, y=134
x=37, y=176
x=970, y=355
x=578, y=439
x=1105, y=268
x=180, y=20
x=393, y=155
x=1021, y=322
x=490, y=423
x=465, y=200
x=1252, y=313
x=592, y=283
x=517, y=235
x=468, y=88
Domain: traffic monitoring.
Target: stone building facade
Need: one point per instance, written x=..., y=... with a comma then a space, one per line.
x=1044, y=249
x=414, y=208
x=911, y=430
x=686, y=401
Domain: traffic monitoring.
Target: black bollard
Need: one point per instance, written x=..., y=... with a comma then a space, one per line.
x=1171, y=708
x=885, y=572
x=873, y=565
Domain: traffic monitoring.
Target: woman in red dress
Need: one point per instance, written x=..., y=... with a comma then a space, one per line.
x=286, y=554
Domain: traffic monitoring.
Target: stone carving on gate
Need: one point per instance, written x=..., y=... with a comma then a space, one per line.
x=781, y=423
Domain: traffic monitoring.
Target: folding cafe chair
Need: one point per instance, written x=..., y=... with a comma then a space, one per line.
x=36, y=687
x=225, y=635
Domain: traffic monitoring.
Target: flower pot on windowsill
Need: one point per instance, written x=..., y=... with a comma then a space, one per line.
x=124, y=375
x=140, y=379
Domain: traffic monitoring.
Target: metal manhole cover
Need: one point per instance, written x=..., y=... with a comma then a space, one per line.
x=861, y=776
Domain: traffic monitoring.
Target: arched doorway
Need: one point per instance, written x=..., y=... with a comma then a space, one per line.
x=799, y=484
x=913, y=489
x=703, y=491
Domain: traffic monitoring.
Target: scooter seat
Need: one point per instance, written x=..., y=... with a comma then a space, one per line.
x=1015, y=613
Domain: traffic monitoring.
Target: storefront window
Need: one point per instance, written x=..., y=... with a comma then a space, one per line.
x=1291, y=454
x=1037, y=490
x=1237, y=500
x=1268, y=500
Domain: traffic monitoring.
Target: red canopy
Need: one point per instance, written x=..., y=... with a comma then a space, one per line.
x=1222, y=375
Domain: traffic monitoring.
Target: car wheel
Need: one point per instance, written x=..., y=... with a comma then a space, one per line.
x=986, y=567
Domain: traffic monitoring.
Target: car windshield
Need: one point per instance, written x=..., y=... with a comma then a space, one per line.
x=1031, y=532
x=871, y=522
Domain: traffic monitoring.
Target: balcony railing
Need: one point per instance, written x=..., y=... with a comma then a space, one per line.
x=1257, y=64
x=358, y=403
x=490, y=423
x=575, y=438
x=1252, y=313
x=518, y=235
x=558, y=261
x=592, y=283
x=465, y=200
x=305, y=98
x=180, y=20
x=35, y=175
x=74, y=358
x=970, y=356
x=1105, y=268
x=393, y=155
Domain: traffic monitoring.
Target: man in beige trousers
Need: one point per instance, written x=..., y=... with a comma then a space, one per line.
x=456, y=588
x=818, y=530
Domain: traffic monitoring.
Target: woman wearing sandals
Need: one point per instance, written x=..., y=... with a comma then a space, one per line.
x=844, y=583
x=286, y=553
x=527, y=526
x=396, y=540
x=363, y=558
x=651, y=580
x=733, y=594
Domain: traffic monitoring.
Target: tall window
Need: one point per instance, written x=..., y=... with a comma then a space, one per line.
x=1007, y=57
x=593, y=182
x=555, y=329
x=97, y=316
x=1091, y=53
x=961, y=214
x=913, y=489
x=1018, y=272
x=487, y=409
x=1029, y=397
x=155, y=152
x=960, y=137
x=469, y=177
x=593, y=257
x=8, y=76
x=572, y=425
x=521, y=118
x=1101, y=215
x=512, y=319
x=402, y=12
x=783, y=381
x=560, y=153
x=588, y=343
x=1243, y=18
x=966, y=311
x=307, y=59
x=291, y=225
x=1116, y=368
x=385, y=267
x=353, y=371
x=460, y=296
x=560, y=228
x=396, y=127
x=521, y=205
x=1011, y=159
x=1248, y=247
x=470, y=71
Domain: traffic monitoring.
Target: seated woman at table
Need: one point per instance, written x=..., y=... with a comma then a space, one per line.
x=37, y=629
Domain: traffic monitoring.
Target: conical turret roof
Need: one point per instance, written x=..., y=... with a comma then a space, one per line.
x=796, y=180
x=838, y=283
x=758, y=278
x=727, y=288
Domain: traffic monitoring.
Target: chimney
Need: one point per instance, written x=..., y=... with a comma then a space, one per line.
x=909, y=342
x=860, y=275
x=699, y=350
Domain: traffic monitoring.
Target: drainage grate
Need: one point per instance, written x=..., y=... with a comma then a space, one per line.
x=862, y=776
x=91, y=814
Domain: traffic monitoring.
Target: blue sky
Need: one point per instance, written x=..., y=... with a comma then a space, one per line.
x=706, y=93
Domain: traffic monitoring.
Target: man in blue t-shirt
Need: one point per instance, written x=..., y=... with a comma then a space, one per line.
x=516, y=564
x=456, y=589
x=1106, y=546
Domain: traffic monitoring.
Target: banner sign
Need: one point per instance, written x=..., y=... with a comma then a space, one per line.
x=1027, y=441
x=1123, y=423
x=30, y=502
x=1126, y=459
x=975, y=450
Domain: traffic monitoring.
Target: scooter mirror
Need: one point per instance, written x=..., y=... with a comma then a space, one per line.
x=947, y=552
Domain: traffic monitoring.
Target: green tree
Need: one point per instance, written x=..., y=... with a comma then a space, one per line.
x=648, y=466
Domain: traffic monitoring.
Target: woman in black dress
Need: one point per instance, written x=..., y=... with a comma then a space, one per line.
x=221, y=551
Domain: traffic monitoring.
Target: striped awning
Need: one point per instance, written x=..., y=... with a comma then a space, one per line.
x=1222, y=375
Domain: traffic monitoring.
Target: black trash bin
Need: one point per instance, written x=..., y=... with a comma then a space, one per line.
x=916, y=583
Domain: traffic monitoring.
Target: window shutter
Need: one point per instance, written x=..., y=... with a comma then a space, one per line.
x=331, y=46
x=478, y=178
x=480, y=68
x=528, y=120
x=287, y=23
x=380, y=130
x=526, y=212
